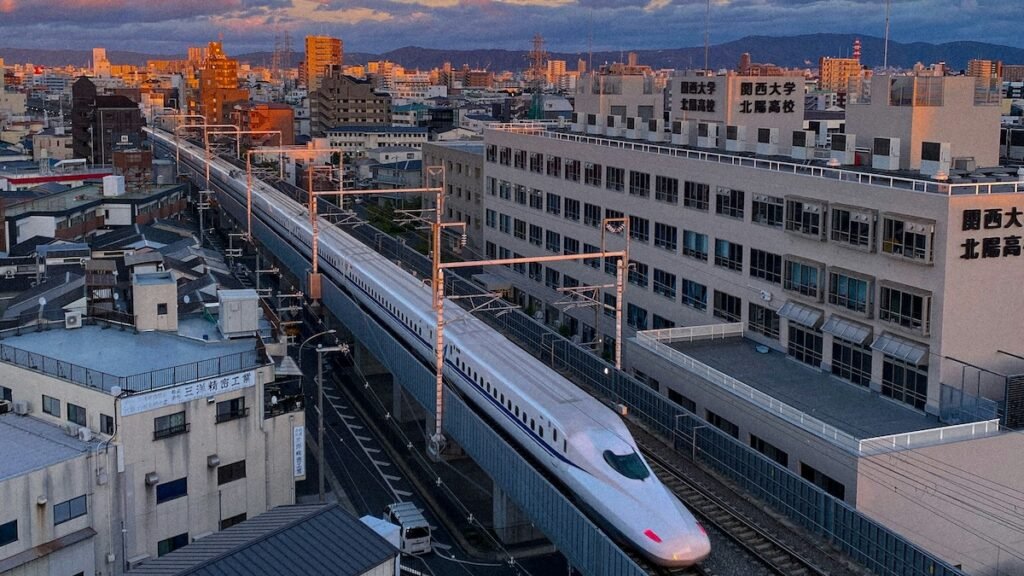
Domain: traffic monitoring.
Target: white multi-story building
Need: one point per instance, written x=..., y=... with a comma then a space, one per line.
x=886, y=298
x=355, y=140
x=178, y=431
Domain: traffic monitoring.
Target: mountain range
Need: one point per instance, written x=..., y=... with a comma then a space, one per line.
x=791, y=51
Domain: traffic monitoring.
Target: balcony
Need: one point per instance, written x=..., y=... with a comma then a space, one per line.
x=232, y=415
x=162, y=433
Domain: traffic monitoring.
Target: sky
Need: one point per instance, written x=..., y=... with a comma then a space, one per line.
x=169, y=26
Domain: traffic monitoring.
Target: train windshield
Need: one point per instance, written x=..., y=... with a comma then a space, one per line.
x=629, y=465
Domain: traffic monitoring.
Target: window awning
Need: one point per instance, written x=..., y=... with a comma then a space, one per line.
x=847, y=330
x=901, y=349
x=801, y=314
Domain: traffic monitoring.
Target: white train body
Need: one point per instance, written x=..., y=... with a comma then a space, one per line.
x=576, y=438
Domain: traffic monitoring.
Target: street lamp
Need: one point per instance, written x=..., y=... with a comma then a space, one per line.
x=320, y=351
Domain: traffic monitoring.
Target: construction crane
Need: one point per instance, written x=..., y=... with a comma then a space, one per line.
x=538, y=75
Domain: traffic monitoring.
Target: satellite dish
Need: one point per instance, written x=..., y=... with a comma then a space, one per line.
x=186, y=299
x=117, y=296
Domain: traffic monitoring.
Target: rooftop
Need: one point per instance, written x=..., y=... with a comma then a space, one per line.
x=288, y=540
x=846, y=414
x=994, y=180
x=379, y=129
x=83, y=196
x=103, y=357
x=31, y=444
x=471, y=146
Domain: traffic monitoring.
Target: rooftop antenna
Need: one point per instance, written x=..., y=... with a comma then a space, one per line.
x=707, y=38
x=885, y=51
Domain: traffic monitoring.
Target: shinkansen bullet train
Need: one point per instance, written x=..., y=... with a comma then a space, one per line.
x=576, y=438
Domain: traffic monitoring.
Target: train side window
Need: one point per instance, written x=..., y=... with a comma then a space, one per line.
x=533, y=424
x=517, y=411
x=541, y=432
x=565, y=446
x=502, y=397
x=554, y=434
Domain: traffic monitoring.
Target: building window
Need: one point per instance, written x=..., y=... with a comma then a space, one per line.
x=766, y=266
x=231, y=410
x=535, y=271
x=636, y=317
x=666, y=189
x=106, y=425
x=804, y=344
x=695, y=295
x=850, y=292
x=505, y=190
x=615, y=215
x=6, y=394
x=615, y=179
x=904, y=382
x=519, y=159
x=8, y=533
x=536, y=235
x=769, y=450
x=519, y=231
x=906, y=307
x=51, y=406
x=767, y=211
x=728, y=307
x=171, y=490
x=682, y=401
x=611, y=265
x=609, y=304
x=490, y=218
x=639, y=229
x=723, y=424
x=552, y=278
x=852, y=227
x=695, y=245
x=69, y=510
x=229, y=522
x=554, y=241
x=804, y=217
x=536, y=162
x=728, y=255
x=572, y=170
x=637, y=274
x=570, y=246
x=639, y=184
x=492, y=152
x=592, y=215
x=665, y=284
x=666, y=236
x=592, y=174
x=230, y=472
x=491, y=249
x=536, y=199
x=729, y=202
x=695, y=195
x=851, y=361
x=171, y=544
x=908, y=238
x=803, y=278
x=763, y=320
x=659, y=323
x=572, y=209
x=161, y=309
x=554, y=166
x=520, y=195
x=594, y=263
x=76, y=414
x=829, y=485
x=170, y=425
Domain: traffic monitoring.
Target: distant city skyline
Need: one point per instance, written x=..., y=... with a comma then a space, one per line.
x=567, y=25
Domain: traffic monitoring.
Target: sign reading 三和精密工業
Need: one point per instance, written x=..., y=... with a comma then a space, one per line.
x=769, y=97
x=146, y=401
x=1000, y=233
x=299, y=451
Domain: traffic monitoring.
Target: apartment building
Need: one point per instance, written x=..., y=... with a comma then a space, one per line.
x=851, y=294
x=176, y=428
x=463, y=163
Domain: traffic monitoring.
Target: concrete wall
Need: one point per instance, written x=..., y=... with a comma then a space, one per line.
x=959, y=501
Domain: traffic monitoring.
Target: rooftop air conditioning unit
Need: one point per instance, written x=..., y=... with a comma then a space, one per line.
x=636, y=128
x=681, y=132
x=736, y=138
x=844, y=149
x=768, y=141
x=71, y=429
x=594, y=126
x=936, y=157
x=613, y=127
x=655, y=130
x=85, y=434
x=885, y=154
x=152, y=479
x=72, y=319
x=22, y=407
x=965, y=163
x=803, y=145
x=707, y=135
x=5, y=406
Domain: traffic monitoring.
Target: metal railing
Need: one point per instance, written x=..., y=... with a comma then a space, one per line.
x=865, y=178
x=929, y=437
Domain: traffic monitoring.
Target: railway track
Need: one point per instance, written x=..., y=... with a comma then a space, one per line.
x=757, y=542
